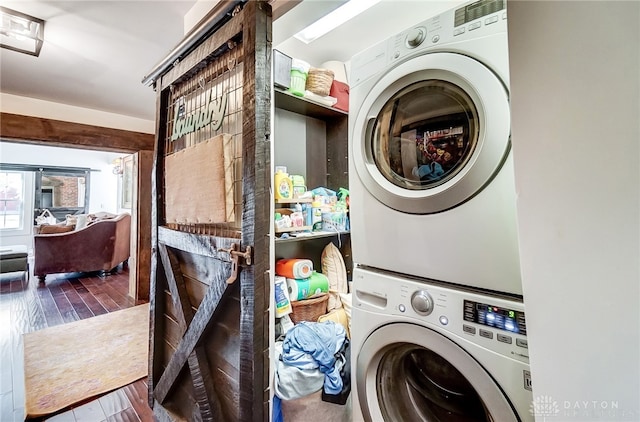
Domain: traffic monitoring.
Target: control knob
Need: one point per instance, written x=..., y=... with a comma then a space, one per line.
x=421, y=302
x=416, y=36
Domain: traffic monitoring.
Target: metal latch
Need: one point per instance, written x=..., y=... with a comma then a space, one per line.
x=236, y=254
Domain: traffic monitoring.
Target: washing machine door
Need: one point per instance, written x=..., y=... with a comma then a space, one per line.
x=432, y=133
x=408, y=373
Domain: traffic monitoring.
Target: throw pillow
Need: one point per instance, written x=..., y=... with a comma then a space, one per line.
x=333, y=267
x=55, y=228
x=81, y=222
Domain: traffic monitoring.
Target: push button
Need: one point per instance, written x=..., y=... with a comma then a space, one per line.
x=522, y=343
x=486, y=334
x=492, y=19
x=475, y=25
x=469, y=329
x=458, y=31
x=504, y=339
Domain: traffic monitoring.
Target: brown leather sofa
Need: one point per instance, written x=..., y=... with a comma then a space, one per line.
x=101, y=246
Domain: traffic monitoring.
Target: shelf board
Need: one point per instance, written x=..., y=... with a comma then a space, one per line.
x=293, y=229
x=295, y=201
x=312, y=235
x=301, y=105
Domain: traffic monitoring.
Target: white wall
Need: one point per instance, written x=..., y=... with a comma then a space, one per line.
x=575, y=84
x=46, y=109
x=197, y=12
x=103, y=195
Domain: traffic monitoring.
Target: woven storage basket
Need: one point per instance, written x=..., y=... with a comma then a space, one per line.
x=319, y=81
x=309, y=309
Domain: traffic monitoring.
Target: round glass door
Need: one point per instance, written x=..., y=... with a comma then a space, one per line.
x=431, y=133
x=413, y=374
x=425, y=134
x=418, y=382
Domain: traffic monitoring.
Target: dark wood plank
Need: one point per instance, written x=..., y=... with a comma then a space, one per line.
x=62, y=302
x=179, y=295
x=255, y=216
x=338, y=153
x=49, y=132
x=137, y=393
x=49, y=308
x=203, y=389
x=192, y=336
x=89, y=299
x=94, y=286
x=122, y=299
x=141, y=219
x=157, y=280
x=211, y=246
x=81, y=309
x=119, y=281
x=37, y=319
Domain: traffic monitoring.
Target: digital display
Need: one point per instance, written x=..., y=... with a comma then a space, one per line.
x=477, y=10
x=495, y=316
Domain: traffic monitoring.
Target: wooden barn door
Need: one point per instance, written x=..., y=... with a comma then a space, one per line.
x=209, y=275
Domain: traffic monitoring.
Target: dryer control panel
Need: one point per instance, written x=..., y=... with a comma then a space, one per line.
x=476, y=20
x=477, y=10
x=495, y=317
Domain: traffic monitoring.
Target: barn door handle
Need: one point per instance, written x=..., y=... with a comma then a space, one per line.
x=235, y=254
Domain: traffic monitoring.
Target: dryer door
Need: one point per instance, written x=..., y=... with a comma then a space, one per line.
x=410, y=373
x=432, y=133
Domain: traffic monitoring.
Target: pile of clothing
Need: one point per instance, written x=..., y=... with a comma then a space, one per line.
x=313, y=356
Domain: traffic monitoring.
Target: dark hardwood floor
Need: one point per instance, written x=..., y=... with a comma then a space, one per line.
x=30, y=306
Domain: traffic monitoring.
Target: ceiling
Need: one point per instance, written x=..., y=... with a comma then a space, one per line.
x=97, y=52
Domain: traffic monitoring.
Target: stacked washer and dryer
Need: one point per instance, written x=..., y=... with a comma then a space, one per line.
x=438, y=322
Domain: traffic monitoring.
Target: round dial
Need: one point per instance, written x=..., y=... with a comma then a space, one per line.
x=416, y=36
x=421, y=302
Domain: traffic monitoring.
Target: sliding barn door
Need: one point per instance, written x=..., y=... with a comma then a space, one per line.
x=209, y=284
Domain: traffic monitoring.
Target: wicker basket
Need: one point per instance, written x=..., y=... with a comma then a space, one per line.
x=309, y=309
x=319, y=81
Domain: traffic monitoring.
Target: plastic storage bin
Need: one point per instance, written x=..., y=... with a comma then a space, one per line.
x=299, y=72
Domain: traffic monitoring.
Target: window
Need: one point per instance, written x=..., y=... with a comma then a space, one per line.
x=12, y=194
x=61, y=190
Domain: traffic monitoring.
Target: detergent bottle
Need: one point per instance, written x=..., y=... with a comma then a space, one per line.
x=283, y=186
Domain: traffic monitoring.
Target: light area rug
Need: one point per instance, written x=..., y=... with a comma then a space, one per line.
x=69, y=363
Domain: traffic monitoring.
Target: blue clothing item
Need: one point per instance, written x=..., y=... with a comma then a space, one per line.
x=428, y=172
x=277, y=410
x=314, y=344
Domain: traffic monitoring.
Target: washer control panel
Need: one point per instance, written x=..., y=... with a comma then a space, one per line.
x=495, y=322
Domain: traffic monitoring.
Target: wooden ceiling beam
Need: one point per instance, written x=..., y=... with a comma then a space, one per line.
x=57, y=133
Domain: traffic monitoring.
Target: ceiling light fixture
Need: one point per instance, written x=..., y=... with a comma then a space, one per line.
x=334, y=19
x=20, y=32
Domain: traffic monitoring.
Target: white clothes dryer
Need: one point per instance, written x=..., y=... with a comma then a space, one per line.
x=423, y=351
x=430, y=165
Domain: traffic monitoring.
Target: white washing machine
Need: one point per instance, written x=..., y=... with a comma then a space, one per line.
x=431, y=172
x=423, y=351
